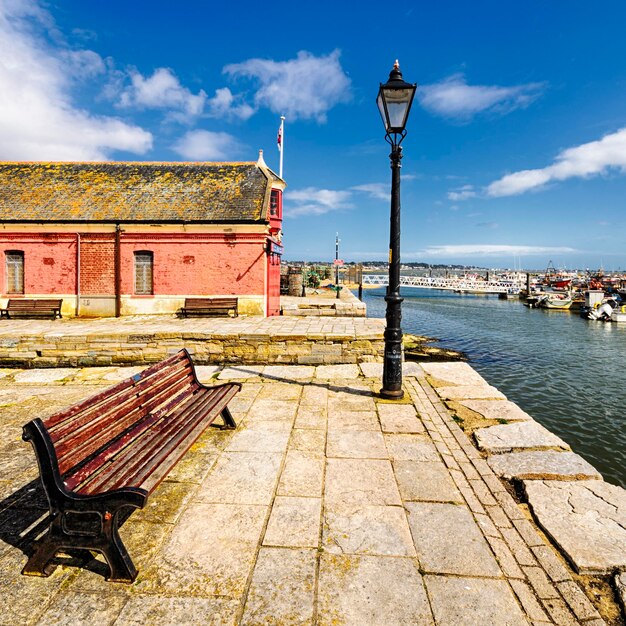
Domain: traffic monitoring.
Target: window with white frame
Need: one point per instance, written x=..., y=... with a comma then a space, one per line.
x=144, y=264
x=15, y=271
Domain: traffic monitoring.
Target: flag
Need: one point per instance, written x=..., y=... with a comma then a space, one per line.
x=279, y=138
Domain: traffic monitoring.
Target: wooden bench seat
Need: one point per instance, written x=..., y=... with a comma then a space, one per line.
x=23, y=307
x=210, y=306
x=112, y=450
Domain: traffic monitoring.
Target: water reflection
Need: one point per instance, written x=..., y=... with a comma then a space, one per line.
x=568, y=373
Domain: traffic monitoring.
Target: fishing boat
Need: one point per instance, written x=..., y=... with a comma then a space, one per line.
x=555, y=301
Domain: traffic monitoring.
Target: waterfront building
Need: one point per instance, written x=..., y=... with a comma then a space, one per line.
x=134, y=238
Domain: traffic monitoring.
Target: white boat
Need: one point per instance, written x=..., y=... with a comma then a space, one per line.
x=619, y=314
x=604, y=312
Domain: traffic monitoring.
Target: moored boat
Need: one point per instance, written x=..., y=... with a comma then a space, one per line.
x=555, y=301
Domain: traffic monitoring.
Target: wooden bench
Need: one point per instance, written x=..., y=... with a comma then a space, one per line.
x=112, y=450
x=209, y=306
x=21, y=307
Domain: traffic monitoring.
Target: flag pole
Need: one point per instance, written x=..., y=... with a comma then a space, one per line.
x=282, y=144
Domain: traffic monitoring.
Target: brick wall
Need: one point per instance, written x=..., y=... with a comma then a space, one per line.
x=97, y=265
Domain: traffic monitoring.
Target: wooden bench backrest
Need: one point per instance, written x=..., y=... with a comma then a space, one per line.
x=33, y=305
x=82, y=430
x=208, y=303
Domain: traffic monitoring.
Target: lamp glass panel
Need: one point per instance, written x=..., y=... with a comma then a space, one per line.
x=398, y=101
x=381, y=107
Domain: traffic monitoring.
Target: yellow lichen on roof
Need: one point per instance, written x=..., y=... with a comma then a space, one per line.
x=131, y=191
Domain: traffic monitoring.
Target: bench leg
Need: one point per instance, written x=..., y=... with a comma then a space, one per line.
x=38, y=563
x=229, y=421
x=105, y=540
x=116, y=555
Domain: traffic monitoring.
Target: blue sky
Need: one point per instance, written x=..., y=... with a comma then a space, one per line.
x=516, y=145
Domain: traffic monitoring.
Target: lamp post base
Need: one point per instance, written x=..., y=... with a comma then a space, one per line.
x=392, y=395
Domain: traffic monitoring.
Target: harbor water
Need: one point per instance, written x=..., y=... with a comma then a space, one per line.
x=567, y=372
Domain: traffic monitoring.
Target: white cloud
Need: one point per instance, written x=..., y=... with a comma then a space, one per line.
x=589, y=159
x=454, y=98
x=204, y=145
x=487, y=250
x=306, y=87
x=380, y=191
x=224, y=104
x=313, y=201
x=38, y=118
x=463, y=193
x=162, y=90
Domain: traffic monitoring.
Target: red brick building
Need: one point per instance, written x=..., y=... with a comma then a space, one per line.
x=128, y=238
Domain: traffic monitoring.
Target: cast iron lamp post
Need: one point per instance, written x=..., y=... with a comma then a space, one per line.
x=394, y=102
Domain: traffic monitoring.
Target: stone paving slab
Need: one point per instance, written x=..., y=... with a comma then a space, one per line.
x=586, y=519
x=282, y=588
x=462, y=602
x=434, y=524
x=401, y=418
x=294, y=522
x=519, y=436
x=454, y=374
x=381, y=530
x=543, y=464
x=370, y=591
x=427, y=481
x=332, y=372
x=456, y=392
x=497, y=409
x=168, y=611
x=326, y=505
x=375, y=370
x=45, y=376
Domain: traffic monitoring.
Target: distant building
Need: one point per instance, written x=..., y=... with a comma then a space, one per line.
x=129, y=238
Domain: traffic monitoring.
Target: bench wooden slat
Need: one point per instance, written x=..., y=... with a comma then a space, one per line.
x=77, y=476
x=103, y=398
x=113, y=449
x=153, y=479
x=72, y=428
x=146, y=455
x=88, y=440
x=73, y=431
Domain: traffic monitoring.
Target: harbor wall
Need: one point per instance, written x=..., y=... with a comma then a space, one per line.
x=583, y=516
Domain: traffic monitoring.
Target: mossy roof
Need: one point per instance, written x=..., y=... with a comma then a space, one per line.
x=133, y=192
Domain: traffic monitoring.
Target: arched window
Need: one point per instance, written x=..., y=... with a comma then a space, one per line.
x=15, y=271
x=144, y=264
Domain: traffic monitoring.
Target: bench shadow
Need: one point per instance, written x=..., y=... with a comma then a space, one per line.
x=309, y=383
x=24, y=518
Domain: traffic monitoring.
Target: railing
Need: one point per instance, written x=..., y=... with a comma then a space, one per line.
x=452, y=284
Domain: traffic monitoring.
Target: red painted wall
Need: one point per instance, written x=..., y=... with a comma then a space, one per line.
x=183, y=264
x=197, y=265
x=49, y=262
